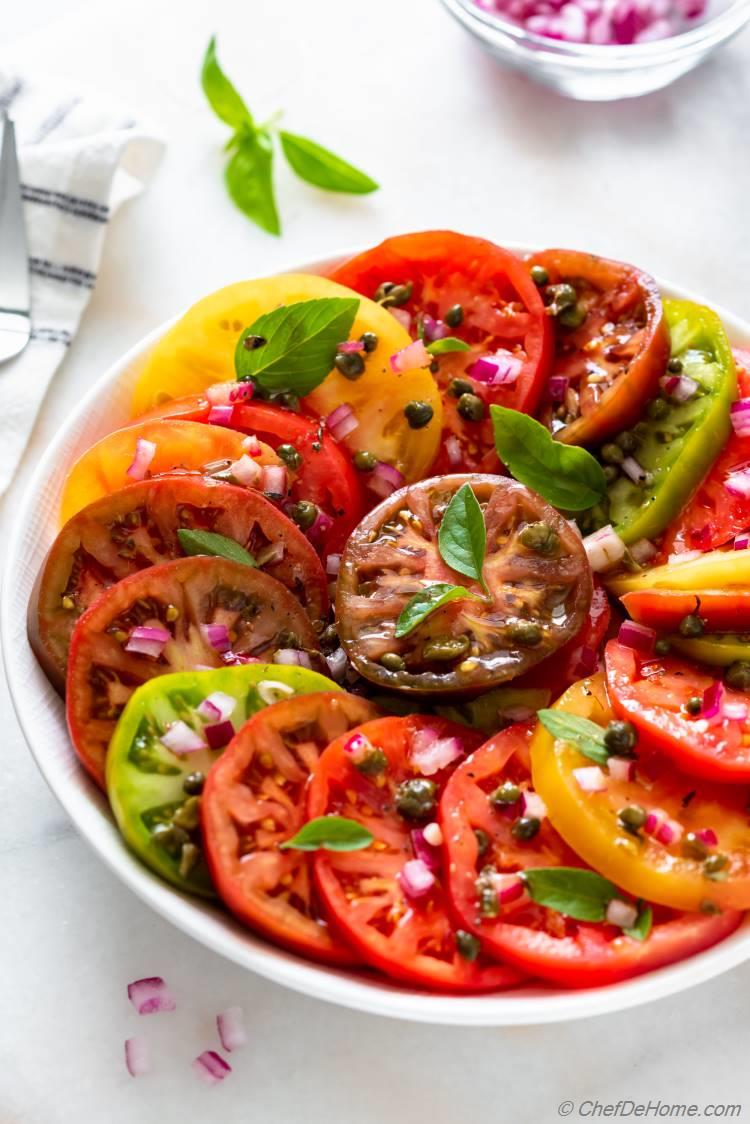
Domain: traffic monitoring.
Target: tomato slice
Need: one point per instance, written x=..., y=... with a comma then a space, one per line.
x=137, y=527
x=613, y=359
x=326, y=476
x=538, y=601
x=534, y=938
x=579, y=656
x=500, y=311
x=258, y=613
x=199, y=350
x=254, y=800
x=411, y=938
x=714, y=516
x=181, y=446
x=653, y=694
x=671, y=873
x=151, y=788
x=722, y=610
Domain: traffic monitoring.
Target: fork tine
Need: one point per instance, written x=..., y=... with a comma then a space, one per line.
x=15, y=296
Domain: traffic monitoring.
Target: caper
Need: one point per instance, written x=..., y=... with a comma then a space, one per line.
x=393, y=296
x=693, y=847
x=252, y=343
x=562, y=296
x=541, y=538
x=657, y=409
x=372, y=763
x=458, y=387
x=691, y=626
x=539, y=275
x=434, y=366
x=526, y=634
x=291, y=458
x=287, y=639
x=620, y=738
x=369, y=341
x=289, y=401
x=737, y=675
x=169, y=837
x=189, y=858
x=674, y=366
x=187, y=815
x=392, y=661
x=454, y=316
x=68, y=602
x=626, y=441
x=418, y=414
x=329, y=638
x=471, y=407
x=483, y=840
x=694, y=705
x=612, y=454
x=304, y=513
x=350, y=364
x=193, y=784
x=572, y=317
x=365, y=462
x=467, y=944
x=715, y=867
x=172, y=614
x=641, y=430
x=507, y=793
x=525, y=828
x=416, y=799
x=446, y=648
x=610, y=473
x=383, y=290
x=489, y=903
x=662, y=647
x=632, y=817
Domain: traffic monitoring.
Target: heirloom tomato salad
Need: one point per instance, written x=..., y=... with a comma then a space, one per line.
x=409, y=616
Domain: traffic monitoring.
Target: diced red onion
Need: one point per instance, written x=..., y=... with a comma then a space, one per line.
x=501, y=368
x=292, y=657
x=137, y=1056
x=735, y=711
x=643, y=551
x=416, y=878
x=508, y=887
x=638, y=637
x=619, y=23
x=349, y=347
x=680, y=387
x=713, y=698
x=424, y=851
x=532, y=805
x=210, y=1067
x=251, y=445
x=738, y=483
x=321, y=525
x=621, y=768
x=385, y=479
x=217, y=706
x=708, y=836
x=590, y=779
x=221, y=415
x=231, y=1027
x=274, y=480
x=217, y=636
x=358, y=746
x=403, y=317
x=433, y=834
x=742, y=541
x=621, y=913
x=685, y=556
x=434, y=329
x=145, y=451
x=145, y=640
x=235, y=659
x=557, y=387
x=410, y=358
x=337, y=664
x=342, y=421
x=246, y=471
x=273, y=690
x=739, y=412
x=453, y=449
x=151, y=996
x=333, y=564
x=181, y=738
x=274, y=552
x=662, y=827
x=219, y=734
x=604, y=549
x=241, y=391
x=635, y=471
x=430, y=753
x=218, y=394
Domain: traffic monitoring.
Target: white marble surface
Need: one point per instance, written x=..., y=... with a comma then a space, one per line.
x=396, y=87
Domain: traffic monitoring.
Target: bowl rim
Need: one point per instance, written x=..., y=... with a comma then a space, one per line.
x=601, y=57
x=209, y=925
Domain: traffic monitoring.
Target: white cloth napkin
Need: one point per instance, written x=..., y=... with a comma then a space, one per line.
x=80, y=158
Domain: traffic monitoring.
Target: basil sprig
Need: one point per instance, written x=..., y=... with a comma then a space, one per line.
x=448, y=343
x=330, y=833
x=219, y=546
x=427, y=601
x=581, y=894
x=586, y=736
x=249, y=172
x=462, y=537
x=566, y=476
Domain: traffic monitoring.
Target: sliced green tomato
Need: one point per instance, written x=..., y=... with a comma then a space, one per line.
x=146, y=781
x=716, y=569
x=719, y=649
x=677, y=450
x=497, y=708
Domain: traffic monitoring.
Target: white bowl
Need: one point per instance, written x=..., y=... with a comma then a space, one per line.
x=42, y=717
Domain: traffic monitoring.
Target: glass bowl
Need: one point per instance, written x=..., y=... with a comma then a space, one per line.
x=599, y=73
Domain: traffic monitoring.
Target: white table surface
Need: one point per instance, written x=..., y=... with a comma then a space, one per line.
x=396, y=87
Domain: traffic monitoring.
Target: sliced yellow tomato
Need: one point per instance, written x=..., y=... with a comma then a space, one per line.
x=716, y=569
x=180, y=446
x=718, y=649
x=199, y=350
x=589, y=821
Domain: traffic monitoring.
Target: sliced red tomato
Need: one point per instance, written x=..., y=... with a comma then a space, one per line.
x=611, y=344
x=722, y=610
x=714, y=516
x=326, y=476
x=371, y=895
x=252, y=612
x=654, y=694
x=254, y=799
x=500, y=311
x=579, y=656
x=483, y=853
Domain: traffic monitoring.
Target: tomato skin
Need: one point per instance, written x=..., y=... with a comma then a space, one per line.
x=502, y=309
x=645, y=867
x=411, y=940
x=534, y=939
x=238, y=783
x=652, y=695
x=616, y=290
x=722, y=610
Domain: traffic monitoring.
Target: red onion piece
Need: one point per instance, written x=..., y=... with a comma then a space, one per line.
x=422, y=850
x=274, y=480
x=292, y=657
x=145, y=451
x=742, y=541
x=532, y=805
x=508, y=887
x=333, y=563
x=349, y=347
x=685, y=556
x=430, y=753
x=231, y=1027
x=219, y=734
x=708, y=836
x=635, y=471
x=739, y=412
x=735, y=711
x=148, y=641
x=235, y=659
x=453, y=449
x=217, y=636
x=181, y=738
x=662, y=827
x=738, y=483
x=638, y=637
x=241, y=391
x=410, y=358
x=137, y=1056
x=713, y=699
x=617, y=23
x=403, y=317
x=622, y=914
x=274, y=552
x=220, y=415
x=385, y=479
x=433, y=834
x=320, y=526
x=643, y=551
x=604, y=549
x=217, y=706
x=210, y=1067
x=151, y=996
x=219, y=393
x=590, y=779
x=434, y=329
x=557, y=387
x=502, y=368
x=358, y=745
x=251, y=445
x=337, y=664
x=621, y=768
x=416, y=879
x=246, y=471
x=680, y=387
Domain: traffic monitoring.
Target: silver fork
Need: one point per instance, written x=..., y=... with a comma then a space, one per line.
x=15, y=297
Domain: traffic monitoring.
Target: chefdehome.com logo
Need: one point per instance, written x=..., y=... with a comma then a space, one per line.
x=649, y=1110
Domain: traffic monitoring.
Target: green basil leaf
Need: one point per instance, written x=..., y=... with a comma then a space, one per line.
x=566, y=476
x=222, y=96
x=449, y=343
x=462, y=538
x=207, y=542
x=581, y=894
x=642, y=927
x=330, y=833
x=300, y=347
x=318, y=166
x=427, y=601
x=249, y=179
x=586, y=736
